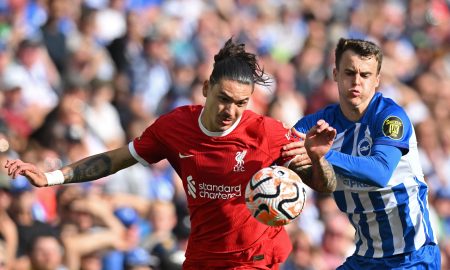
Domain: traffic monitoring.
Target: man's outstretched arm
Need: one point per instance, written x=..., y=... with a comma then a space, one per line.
x=98, y=166
x=87, y=169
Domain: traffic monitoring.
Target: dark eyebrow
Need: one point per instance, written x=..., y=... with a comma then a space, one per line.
x=354, y=71
x=223, y=94
x=243, y=100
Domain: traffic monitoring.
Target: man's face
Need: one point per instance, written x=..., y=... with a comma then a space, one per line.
x=357, y=79
x=46, y=253
x=225, y=103
x=5, y=199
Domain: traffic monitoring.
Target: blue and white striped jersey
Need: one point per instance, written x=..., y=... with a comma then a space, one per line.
x=389, y=220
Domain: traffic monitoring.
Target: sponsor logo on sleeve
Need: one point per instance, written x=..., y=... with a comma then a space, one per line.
x=393, y=127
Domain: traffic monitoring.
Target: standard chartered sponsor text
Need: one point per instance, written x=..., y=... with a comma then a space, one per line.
x=222, y=192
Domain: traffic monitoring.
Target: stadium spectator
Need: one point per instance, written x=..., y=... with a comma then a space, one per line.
x=162, y=242
x=129, y=217
x=100, y=110
x=8, y=230
x=91, y=229
x=3, y=257
x=337, y=241
x=302, y=256
x=46, y=253
x=40, y=82
x=29, y=216
x=139, y=259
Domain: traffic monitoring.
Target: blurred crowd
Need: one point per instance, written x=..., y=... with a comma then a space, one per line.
x=81, y=77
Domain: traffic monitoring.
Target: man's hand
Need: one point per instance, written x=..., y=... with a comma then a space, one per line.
x=297, y=149
x=35, y=176
x=94, y=205
x=319, y=140
x=312, y=167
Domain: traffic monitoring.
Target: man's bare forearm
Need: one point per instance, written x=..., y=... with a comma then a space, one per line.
x=320, y=176
x=97, y=166
x=88, y=169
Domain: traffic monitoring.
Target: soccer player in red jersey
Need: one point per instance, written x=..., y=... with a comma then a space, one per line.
x=215, y=149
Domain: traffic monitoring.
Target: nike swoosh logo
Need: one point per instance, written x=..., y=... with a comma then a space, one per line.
x=184, y=156
x=288, y=136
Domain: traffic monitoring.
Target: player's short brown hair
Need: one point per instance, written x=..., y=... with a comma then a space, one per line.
x=361, y=47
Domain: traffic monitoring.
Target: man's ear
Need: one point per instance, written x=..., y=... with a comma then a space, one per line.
x=205, y=88
x=378, y=80
x=335, y=74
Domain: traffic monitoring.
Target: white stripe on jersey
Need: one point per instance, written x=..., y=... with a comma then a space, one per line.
x=416, y=206
x=355, y=138
x=398, y=242
x=136, y=155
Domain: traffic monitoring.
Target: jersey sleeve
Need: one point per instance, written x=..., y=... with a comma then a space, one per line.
x=149, y=147
x=278, y=136
x=374, y=170
x=306, y=123
x=394, y=128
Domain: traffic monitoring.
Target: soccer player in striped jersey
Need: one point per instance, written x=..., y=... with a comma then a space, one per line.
x=380, y=184
x=215, y=149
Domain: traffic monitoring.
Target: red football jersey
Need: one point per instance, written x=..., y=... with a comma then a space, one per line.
x=215, y=168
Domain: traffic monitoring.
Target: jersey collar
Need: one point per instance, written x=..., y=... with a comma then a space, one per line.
x=217, y=133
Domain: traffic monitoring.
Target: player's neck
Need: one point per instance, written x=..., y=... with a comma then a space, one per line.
x=353, y=114
x=203, y=121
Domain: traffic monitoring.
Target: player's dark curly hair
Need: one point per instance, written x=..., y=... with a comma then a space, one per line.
x=361, y=47
x=234, y=63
